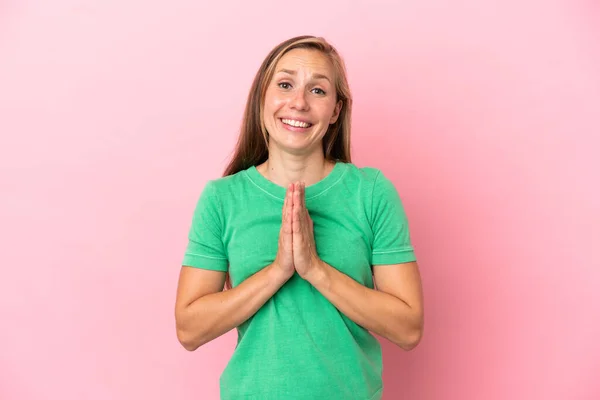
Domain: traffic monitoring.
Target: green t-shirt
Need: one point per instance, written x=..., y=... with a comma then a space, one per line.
x=298, y=345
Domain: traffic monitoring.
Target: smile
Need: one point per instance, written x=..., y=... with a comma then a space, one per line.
x=294, y=123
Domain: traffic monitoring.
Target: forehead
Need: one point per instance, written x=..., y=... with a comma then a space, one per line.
x=306, y=60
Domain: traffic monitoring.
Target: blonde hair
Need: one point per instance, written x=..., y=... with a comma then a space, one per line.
x=252, y=146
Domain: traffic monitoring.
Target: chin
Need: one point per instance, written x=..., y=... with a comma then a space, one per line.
x=296, y=148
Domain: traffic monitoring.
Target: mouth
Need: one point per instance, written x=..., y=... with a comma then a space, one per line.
x=294, y=124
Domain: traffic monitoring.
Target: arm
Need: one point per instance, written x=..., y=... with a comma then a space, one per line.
x=203, y=311
x=394, y=311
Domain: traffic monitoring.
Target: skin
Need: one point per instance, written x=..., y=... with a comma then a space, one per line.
x=301, y=89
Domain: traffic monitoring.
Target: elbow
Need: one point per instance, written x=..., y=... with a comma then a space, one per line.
x=409, y=337
x=411, y=340
x=187, y=340
x=190, y=339
x=185, y=336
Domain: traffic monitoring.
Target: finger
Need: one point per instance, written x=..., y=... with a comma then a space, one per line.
x=290, y=200
x=288, y=195
x=304, y=208
x=297, y=210
x=284, y=209
x=287, y=211
x=291, y=207
x=296, y=219
x=285, y=201
x=296, y=194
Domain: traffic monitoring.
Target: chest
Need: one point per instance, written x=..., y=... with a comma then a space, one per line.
x=343, y=240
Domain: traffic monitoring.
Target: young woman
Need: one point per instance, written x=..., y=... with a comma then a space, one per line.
x=300, y=235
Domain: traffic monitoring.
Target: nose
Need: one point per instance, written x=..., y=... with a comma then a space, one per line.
x=298, y=101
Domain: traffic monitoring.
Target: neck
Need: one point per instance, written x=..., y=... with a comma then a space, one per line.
x=283, y=169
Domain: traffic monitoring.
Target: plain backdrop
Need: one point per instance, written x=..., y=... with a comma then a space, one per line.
x=114, y=114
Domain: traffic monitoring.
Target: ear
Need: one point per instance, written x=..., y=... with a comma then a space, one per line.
x=336, y=112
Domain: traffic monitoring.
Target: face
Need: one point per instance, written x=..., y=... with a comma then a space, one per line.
x=300, y=102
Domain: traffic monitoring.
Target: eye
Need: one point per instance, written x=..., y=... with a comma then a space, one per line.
x=284, y=85
x=319, y=91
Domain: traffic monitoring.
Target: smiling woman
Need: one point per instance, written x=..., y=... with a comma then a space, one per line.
x=302, y=260
x=302, y=99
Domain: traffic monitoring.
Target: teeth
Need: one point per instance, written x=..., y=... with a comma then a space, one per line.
x=295, y=123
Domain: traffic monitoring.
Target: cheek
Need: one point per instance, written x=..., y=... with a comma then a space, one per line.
x=273, y=101
x=271, y=107
x=278, y=102
x=327, y=111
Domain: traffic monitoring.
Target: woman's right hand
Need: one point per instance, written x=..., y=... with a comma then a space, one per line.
x=284, y=261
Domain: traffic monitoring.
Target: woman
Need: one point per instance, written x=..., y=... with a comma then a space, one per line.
x=300, y=235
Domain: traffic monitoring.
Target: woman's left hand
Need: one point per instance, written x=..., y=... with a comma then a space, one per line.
x=306, y=259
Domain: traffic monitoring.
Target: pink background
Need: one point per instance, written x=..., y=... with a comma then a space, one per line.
x=485, y=114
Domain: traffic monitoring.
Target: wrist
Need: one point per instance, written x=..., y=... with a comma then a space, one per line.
x=317, y=275
x=277, y=275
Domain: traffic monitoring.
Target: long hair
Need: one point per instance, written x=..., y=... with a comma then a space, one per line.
x=252, y=146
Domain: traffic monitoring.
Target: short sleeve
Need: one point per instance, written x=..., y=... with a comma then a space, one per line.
x=391, y=235
x=205, y=247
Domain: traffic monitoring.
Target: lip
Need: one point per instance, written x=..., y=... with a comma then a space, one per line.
x=298, y=119
x=295, y=128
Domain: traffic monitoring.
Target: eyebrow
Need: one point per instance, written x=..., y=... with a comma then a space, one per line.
x=315, y=76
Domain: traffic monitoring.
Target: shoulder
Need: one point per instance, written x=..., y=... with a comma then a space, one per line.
x=365, y=176
x=215, y=192
x=225, y=184
x=373, y=184
x=369, y=183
